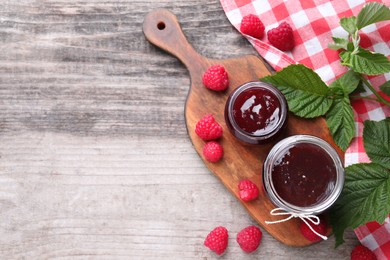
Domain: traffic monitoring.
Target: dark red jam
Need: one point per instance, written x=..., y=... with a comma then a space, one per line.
x=304, y=175
x=256, y=112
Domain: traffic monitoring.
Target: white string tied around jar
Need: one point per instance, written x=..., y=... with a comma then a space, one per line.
x=305, y=217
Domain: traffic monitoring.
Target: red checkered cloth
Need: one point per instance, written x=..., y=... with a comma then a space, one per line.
x=314, y=22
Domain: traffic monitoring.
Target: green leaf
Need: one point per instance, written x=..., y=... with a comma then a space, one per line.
x=372, y=13
x=385, y=88
x=339, y=43
x=349, y=24
x=341, y=123
x=350, y=46
x=340, y=120
x=365, y=198
x=366, y=62
x=360, y=88
x=336, y=93
x=348, y=82
x=304, y=90
x=376, y=138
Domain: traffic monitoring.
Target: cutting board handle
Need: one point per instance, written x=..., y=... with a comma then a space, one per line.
x=162, y=28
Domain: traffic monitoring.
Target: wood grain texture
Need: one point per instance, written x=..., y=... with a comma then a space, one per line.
x=95, y=159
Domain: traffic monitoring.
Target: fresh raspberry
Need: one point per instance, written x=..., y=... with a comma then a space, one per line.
x=249, y=238
x=208, y=129
x=309, y=234
x=248, y=190
x=216, y=78
x=217, y=240
x=361, y=252
x=252, y=25
x=212, y=151
x=282, y=37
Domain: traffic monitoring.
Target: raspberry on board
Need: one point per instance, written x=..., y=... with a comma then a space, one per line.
x=212, y=151
x=217, y=240
x=361, y=252
x=208, y=129
x=248, y=190
x=252, y=25
x=216, y=78
x=309, y=234
x=249, y=238
x=282, y=37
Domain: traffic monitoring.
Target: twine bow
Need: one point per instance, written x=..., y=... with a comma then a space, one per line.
x=305, y=217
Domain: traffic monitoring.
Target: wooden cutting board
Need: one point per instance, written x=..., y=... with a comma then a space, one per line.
x=240, y=161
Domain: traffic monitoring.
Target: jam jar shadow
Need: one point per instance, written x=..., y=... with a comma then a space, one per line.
x=256, y=112
x=303, y=174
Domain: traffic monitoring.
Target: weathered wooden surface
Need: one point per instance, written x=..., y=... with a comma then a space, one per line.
x=95, y=160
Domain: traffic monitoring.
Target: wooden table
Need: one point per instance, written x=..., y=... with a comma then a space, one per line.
x=95, y=160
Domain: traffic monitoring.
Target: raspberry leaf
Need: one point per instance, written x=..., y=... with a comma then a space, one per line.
x=366, y=62
x=365, y=198
x=339, y=118
x=372, y=13
x=306, y=93
x=376, y=137
x=360, y=88
x=339, y=43
x=385, y=88
x=340, y=121
x=348, y=82
x=349, y=24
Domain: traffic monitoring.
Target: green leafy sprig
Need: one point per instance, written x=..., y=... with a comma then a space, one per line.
x=366, y=194
x=308, y=96
x=357, y=58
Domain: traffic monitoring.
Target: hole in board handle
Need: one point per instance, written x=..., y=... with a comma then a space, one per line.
x=161, y=26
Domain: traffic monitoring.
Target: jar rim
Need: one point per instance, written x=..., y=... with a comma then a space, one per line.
x=281, y=147
x=261, y=85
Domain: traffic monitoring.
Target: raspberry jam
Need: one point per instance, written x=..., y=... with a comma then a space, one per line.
x=303, y=173
x=256, y=112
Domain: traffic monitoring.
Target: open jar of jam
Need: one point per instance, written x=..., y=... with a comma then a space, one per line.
x=256, y=112
x=303, y=174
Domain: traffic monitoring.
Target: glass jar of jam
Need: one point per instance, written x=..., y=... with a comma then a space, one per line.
x=303, y=174
x=256, y=112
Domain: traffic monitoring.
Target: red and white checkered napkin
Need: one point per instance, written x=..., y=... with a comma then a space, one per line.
x=314, y=22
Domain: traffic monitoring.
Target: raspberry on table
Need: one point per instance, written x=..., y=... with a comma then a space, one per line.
x=217, y=240
x=216, y=78
x=208, y=129
x=309, y=234
x=252, y=25
x=212, y=151
x=282, y=37
x=248, y=190
x=249, y=238
x=361, y=252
